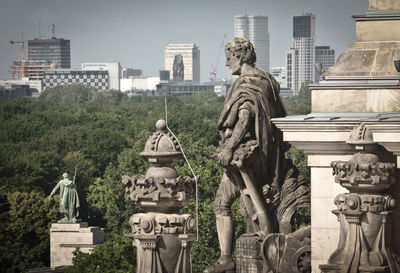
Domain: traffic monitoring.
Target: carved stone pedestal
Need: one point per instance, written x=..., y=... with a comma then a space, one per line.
x=162, y=237
x=274, y=253
x=365, y=216
x=163, y=241
x=65, y=238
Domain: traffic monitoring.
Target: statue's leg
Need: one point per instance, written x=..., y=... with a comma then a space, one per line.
x=226, y=195
x=225, y=235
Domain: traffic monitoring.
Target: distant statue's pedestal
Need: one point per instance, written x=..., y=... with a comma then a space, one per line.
x=65, y=238
x=352, y=139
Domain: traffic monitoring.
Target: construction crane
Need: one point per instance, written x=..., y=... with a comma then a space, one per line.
x=213, y=73
x=22, y=44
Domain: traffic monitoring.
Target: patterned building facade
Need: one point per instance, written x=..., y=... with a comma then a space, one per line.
x=98, y=79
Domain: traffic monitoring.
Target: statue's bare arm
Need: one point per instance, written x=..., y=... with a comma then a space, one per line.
x=239, y=131
x=54, y=190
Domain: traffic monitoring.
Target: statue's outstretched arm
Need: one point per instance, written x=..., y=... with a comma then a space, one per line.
x=54, y=190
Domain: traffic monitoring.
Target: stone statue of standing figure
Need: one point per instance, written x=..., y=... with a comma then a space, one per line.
x=250, y=149
x=69, y=199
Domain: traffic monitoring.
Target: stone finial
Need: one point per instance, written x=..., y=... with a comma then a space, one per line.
x=360, y=135
x=376, y=5
x=162, y=189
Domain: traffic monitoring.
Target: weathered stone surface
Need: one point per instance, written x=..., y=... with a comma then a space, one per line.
x=376, y=5
x=370, y=31
x=367, y=100
x=65, y=238
x=372, y=58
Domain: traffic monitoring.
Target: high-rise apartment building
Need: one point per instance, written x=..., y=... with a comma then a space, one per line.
x=56, y=51
x=300, y=58
x=292, y=69
x=280, y=75
x=255, y=28
x=191, y=60
x=325, y=56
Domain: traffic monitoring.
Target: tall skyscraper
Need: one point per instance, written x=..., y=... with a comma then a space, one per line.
x=191, y=60
x=56, y=51
x=325, y=56
x=255, y=28
x=300, y=58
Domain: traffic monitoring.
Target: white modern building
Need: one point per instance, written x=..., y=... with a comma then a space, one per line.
x=300, y=58
x=221, y=89
x=279, y=74
x=114, y=72
x=139, y=83
x=191, y=60
x=326, y=56
x=255, y=28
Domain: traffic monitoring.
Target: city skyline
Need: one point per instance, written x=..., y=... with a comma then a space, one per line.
x=136, y=34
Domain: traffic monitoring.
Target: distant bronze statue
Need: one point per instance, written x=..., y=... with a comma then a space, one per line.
x=69, y=199
x=251, y=150
x=178, y=68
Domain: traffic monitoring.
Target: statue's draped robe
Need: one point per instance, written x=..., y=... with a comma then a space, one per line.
x=69, y=200
x=257, y=92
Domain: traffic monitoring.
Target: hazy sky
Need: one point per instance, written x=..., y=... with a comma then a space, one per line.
x=136, y=32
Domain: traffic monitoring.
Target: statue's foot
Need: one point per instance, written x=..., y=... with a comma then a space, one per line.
x=222, y=266
x=63, y=220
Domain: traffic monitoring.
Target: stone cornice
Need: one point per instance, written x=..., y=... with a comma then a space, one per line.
x=327, y=133
x=378, y=16
x=357, y=82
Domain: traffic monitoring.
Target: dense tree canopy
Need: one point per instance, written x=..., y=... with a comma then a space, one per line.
x=100, y=133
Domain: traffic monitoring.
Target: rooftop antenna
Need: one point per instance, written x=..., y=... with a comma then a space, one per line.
x=53, y=30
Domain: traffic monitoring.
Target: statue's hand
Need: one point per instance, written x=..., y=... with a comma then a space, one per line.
x=226, y=157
